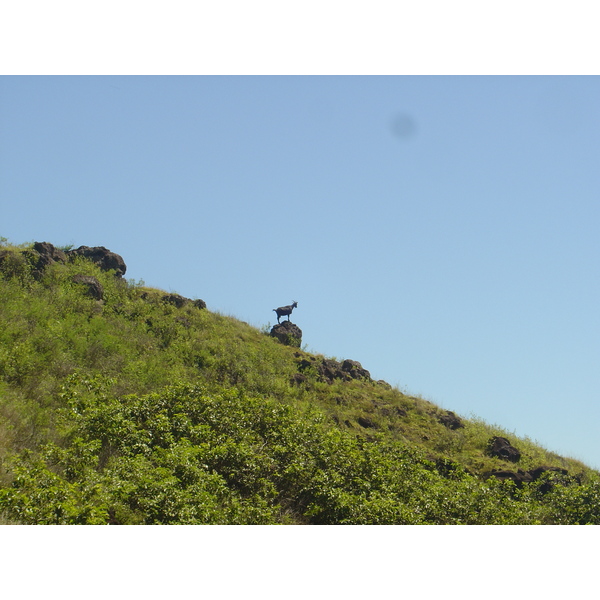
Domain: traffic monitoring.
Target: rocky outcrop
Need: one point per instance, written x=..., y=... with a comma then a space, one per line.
x=104, y=258
x=43, y=255
x=355, y=370
x=500, y=447
x=366, y=422
x=518, y=477
x=176, y=300
x=93, y=287
x=35, y=259
x=287, y=333
x=328, y=370
x=558, y=475
x=450, y=420
x=181, y=301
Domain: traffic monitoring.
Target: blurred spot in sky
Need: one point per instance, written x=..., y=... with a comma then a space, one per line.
x=403, y=126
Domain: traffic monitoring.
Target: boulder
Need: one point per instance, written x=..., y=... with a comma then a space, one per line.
x=104, y=258
x=355, y=369
x=326, y=369
x=48, y=254
x=94, y=288
x=42, y=255
x=519, y=477
x=298, y=379
x=500, y=447
x=329, y=369
x=365, y=422
x=176, y=300
x=287, y=333
x=450, y=420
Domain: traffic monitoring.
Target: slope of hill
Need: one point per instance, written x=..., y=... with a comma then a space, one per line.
x=125, y=404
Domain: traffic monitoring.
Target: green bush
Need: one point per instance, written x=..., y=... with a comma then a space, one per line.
x=131, y=410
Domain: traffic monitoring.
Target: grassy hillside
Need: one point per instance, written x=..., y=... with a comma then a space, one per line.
x=125, y=404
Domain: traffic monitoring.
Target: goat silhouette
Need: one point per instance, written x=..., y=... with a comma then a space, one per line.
x=282, y=311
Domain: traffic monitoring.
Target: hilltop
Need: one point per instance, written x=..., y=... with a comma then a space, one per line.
x=125, y=404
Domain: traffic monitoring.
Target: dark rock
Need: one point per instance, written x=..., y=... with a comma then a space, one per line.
x=94, y=287
x=48, y=254
x=355, y=369
x=299, y=379
x=539, y=471
x=329, y=370
x=287, y=333
x=365, y=422
x=42, y=255
x=104, y=258
x=558, y=475
x=519, y=477
x=305, y=363
x=199, y=304
x=176, y=300
x=450, y=420
x=500, y=447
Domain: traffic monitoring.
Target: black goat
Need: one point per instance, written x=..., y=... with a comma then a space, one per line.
x=285, y=310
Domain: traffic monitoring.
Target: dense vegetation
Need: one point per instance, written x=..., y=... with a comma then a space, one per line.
x=131, y=409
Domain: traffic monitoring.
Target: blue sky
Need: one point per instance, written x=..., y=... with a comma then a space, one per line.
x=441, y=230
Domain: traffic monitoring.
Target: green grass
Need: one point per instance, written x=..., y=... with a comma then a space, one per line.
x=132, y=410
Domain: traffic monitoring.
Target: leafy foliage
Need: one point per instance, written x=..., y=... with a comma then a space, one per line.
x=131, y=410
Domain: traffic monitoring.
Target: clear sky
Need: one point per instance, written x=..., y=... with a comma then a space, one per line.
x=441, y=230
